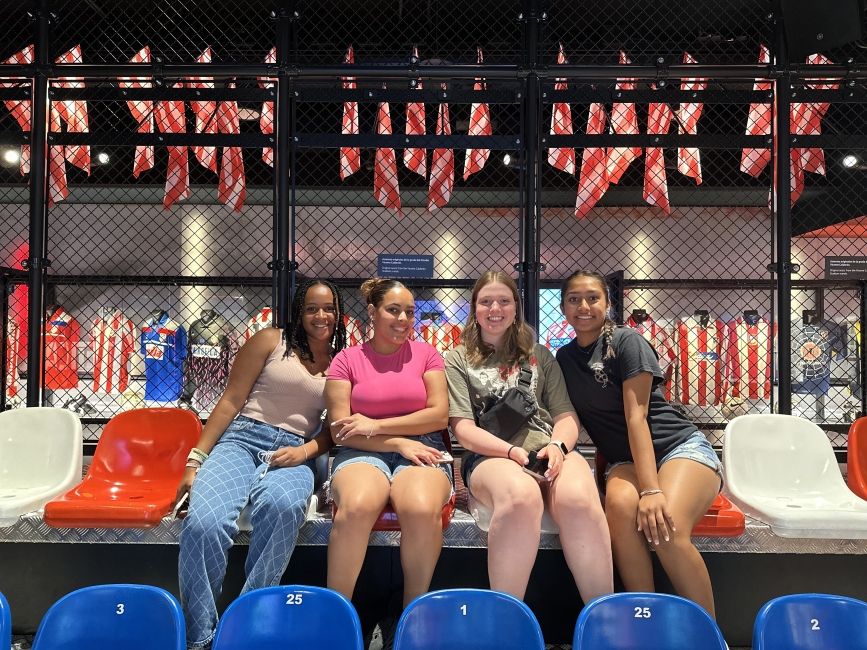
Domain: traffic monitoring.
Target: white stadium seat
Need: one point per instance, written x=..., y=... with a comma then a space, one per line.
x=781, y=470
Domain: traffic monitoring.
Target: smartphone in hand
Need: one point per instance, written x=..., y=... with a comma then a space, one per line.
x=445, y=457
x=536, y=467
x=181, y=507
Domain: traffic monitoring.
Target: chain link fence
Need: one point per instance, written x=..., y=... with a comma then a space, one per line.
x=161, y=192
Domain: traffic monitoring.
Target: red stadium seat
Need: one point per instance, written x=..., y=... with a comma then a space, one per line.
x=387, y=519
x=723, y=518
x=132, y=481
x=856, y=459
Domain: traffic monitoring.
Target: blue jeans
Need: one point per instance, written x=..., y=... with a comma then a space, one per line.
x=230, y=477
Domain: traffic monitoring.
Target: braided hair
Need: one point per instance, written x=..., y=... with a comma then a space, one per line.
x=608, y=326
x=294, y=334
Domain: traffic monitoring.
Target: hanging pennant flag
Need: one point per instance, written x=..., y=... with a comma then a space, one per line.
x=415, y=159
x=385, y=185
x=688, y=115
x=593, y=179
x=624, y=121
x=57, y=188
x=442, y=165
x=20, y=108
x=562, y=158
x=206, y=116
x=350, y=157
x=754, y=161
x=171, y=118
x=813, y=159
x=480, y=124
x=266, y=117
x=232, y=188
x=655, y=181
x=73, y=112
x=142, y=112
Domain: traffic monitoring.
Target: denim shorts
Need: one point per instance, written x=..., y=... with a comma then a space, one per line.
x=390, y=463
x=696, y=447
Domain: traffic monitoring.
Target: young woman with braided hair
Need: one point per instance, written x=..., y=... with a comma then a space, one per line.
x=258, y=446
x=662, y=474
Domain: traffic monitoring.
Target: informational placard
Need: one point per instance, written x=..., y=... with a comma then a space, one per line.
x=404, y=266
x=846, y=268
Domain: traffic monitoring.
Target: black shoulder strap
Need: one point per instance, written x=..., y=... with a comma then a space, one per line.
x=526, y=376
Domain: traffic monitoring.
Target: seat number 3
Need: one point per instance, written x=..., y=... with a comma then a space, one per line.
x=294, y=599
x=642, y=612
x=120, y=609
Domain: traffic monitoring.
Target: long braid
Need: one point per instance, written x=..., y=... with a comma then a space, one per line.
x=607, y=335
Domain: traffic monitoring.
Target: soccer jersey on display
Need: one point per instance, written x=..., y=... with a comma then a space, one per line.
x=700, y=342
x=558, y=334
x=658, y=338
x=112, y=343
x=164, y=347
x=211, y=348
x=443, y=336
x=814, y=346
x=258, y=321
x=749, y=360
x=11, y=364
x=62, y=333
x=354, y=331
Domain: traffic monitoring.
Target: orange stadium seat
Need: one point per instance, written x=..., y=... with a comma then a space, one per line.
x=136, y=468
x=723, y=518
x=387, y=519
x=856, y=459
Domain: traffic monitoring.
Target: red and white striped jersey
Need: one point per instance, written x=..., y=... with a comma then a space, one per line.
x=62, y=333
x=10, y=366
x=558, y=334
x=443, y=336
x=699, y=361
x=658, y=337
x=113, y=342
x=749, y=360
x=354, y=331
x=258, y=321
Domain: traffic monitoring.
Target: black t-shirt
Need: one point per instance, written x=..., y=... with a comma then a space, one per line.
x=596, y=390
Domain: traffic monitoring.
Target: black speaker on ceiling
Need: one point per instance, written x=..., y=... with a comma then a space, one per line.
x=816, y=25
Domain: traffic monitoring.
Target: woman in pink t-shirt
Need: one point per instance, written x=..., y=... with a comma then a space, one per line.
x=388, y=402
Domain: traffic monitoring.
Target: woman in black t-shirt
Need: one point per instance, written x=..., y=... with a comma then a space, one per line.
x=662, y=474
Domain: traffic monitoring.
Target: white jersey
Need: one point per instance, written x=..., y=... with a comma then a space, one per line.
x=443, y=336
x=112, y=343
x=749, y=360
x=258, y=321
x=699, y=361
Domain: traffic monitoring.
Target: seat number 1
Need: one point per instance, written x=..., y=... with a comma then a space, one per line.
x=463, y=610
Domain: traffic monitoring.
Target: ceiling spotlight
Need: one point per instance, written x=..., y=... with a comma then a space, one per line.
x=102, y=157
x=507, y=159
x=11, y=156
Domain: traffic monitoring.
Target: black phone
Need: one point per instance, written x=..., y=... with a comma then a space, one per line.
x=536, y=467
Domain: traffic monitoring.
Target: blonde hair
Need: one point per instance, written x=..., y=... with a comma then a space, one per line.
x=519, y=339
x=608, y=326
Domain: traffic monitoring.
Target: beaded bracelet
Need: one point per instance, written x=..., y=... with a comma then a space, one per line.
x=197, y=454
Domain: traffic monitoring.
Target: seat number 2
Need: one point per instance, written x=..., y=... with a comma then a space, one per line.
x=814, y=624
x=294, y=599
x=642, y=612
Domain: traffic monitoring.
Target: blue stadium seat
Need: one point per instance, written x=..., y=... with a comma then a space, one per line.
x=464, y=619
x=5, y=624
x=289, y=616
x=811, y=622
x=645, y=621
x=132, y=617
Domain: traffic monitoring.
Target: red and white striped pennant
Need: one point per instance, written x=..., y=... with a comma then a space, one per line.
x=624, y=121
x=171, y=118
x=350, y=157
x=142, y=112
x=655, y=180
x=562, y=158
x=20, y=108
x=266, y=117
x=593, y=179
x=415, y=159
x=385, y=186
x=206, y=115
x=754, y=161
x=232, y=188
x=813, y=159
x=442, y=165
x=688, y=115
x=73, y=112
x=480, y=124
x=57, y=188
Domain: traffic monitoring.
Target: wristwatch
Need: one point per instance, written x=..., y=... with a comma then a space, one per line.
x=561, y=446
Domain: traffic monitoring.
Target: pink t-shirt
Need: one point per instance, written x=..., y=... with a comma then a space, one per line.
x=386, y=385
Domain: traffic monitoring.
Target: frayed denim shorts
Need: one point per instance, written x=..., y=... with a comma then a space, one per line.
x=390, y=463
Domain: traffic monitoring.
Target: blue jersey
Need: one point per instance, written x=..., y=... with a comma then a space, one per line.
x=164, y=346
